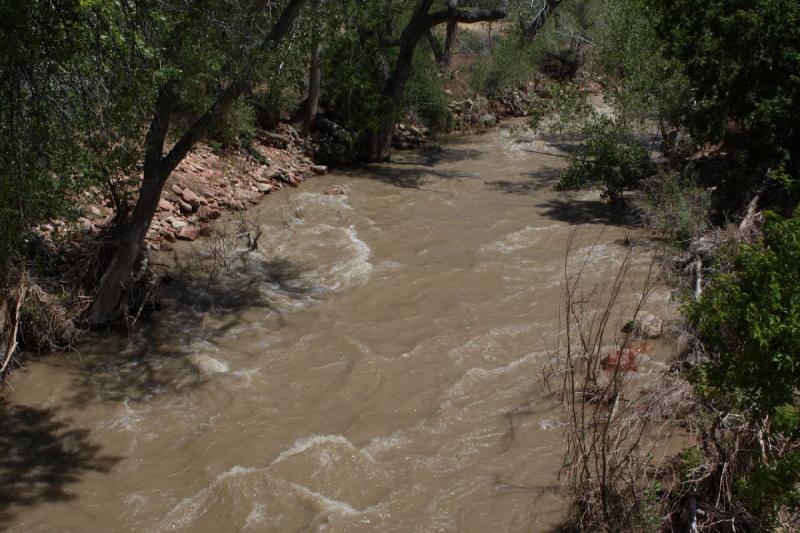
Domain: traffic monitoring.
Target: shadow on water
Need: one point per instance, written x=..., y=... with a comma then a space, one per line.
x=40, y=457
x=157, y=358
x=577, y=211
x=411, y=170
x=530, y=182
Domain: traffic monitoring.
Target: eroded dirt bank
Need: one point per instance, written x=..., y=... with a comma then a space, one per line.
x=374, y=366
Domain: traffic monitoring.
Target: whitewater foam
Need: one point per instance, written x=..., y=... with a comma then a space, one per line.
x=305, y=443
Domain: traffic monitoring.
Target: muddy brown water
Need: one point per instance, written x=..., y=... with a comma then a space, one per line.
x=375, y=366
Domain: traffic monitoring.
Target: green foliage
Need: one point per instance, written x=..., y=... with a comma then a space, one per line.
x=609, y=152
x=610, y=155
x=70, y=109
x=749, y=321
x=510, y=63
x=424, y=95
x=353, y=87
x=643, y=83
x=237, y=127
x=771, y=487
x=675, y=206
x=742, y=60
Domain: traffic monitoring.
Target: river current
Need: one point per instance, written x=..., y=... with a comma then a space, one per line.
x=376, y=365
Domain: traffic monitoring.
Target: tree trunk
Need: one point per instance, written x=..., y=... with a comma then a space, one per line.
x=380, y=141
x=108, y=301
x=450, y=37
x=311, y=103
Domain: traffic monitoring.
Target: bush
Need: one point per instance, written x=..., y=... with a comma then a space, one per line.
x=511, y=63
x=237, y=128
x=749, y=322
x=674, y=207
x=741, y=60
x=424, y=95
x=610, y=154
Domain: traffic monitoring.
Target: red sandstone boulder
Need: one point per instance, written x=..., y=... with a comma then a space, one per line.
x=188, y=233
x=625, y=360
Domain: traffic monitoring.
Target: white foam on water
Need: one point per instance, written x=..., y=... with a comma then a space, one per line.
x=188, y=509
x=548, y=424
x=306, y=443
x=209, y=365
x=478, y=374
x=127, y=419
x=328, y=505
x=327, y=200
x=518, y=240
x=354, y=270
x=381, y=444
x=256, y=516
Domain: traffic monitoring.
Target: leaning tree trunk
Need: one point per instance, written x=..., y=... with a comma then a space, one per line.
x=380, y=141
x=108, y=299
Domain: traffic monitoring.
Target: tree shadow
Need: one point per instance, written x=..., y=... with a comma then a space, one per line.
x=410, y=177
x=157, y=357
x=575, y=211
x=41, y=456
x=530, y=182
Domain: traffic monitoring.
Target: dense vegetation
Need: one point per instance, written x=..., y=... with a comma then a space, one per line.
x=702, y=132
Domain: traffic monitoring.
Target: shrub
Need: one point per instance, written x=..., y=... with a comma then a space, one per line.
x=511, y=63
x=238, y=127
x=749, y=322
x=610, y=154
x=675, y=207
x=424, y=95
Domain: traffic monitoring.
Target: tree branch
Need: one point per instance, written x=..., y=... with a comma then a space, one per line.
x=537, y=23
x=466, y=17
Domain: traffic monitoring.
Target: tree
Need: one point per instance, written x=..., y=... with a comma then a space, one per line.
x=240, y=65
x=740, y=58
x=69, y=109
x=420, y=22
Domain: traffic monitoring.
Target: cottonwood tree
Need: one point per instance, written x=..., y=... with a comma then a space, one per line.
x=421, y=21
x=225, y=42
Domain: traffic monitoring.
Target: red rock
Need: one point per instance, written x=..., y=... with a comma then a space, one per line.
x=168, y=235
x=165, y=205
x=185, y=208
x=626, y=359
x=188, y=233
x=319, y=170
x=205, y=231
x=208, y=213
x=191, y=198
x=177, y=190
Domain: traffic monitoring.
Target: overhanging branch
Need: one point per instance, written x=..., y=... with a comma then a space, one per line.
x=466, y=17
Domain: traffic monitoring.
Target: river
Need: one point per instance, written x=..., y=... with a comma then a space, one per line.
x=375, y=366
